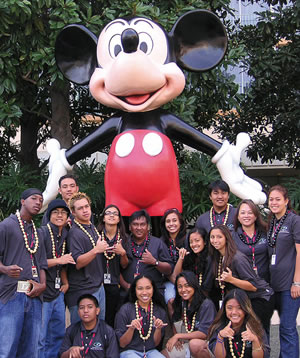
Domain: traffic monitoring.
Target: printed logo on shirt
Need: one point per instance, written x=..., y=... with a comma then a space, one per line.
x=97, y=346
x=230, y=227
x=262, y=240
x=284, y=229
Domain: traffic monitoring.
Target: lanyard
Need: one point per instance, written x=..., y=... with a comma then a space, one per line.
x=85, y=352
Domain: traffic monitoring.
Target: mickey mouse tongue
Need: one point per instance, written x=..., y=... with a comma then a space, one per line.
x=137, y=99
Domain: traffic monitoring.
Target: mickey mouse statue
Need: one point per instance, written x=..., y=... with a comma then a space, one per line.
x=136, y=67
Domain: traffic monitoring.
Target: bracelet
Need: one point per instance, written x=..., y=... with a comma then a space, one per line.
x=257, y=349
x=220, y=340
x=221, y=335
x=296, y=284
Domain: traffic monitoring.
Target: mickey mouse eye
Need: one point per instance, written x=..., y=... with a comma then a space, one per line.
x=145, y=43
x=115, y=46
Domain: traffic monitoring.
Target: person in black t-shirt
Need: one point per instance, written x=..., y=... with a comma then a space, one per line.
x=91, y=337
x=193, y=315
x=236, y=331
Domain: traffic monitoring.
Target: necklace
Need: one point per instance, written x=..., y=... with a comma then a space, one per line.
x=36, y=238
x=87, y=233
x=110, y=256
x=212, y=216
x=186, y=324
x=55, y=256
x=240, y=355
x=248, y=240
x=221, y=285
x=173, y=252
x=139, y=315
x=133, y=250
x=200, y=279
x=274, y=229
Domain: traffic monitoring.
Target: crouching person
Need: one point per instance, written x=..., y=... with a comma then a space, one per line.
x=91, y=337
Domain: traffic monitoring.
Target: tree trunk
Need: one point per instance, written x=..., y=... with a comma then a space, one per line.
x=30, y=125
x=60, y=122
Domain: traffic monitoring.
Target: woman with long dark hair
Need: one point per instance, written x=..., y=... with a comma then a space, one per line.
x=250, y=236
x=236, y=330
x=140, y=322
x=233, y=269
x=284, y=252
x=193, y=314
x=112, y=230
x=195, y=257
x=173, y=231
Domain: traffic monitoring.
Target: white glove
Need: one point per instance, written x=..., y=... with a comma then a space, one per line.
x=227, y=160
x=58, y=166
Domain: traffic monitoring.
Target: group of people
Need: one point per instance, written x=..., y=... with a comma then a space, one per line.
x=208, y=291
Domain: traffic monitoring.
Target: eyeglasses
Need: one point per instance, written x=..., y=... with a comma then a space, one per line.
x=59, y=212
x=111, y=213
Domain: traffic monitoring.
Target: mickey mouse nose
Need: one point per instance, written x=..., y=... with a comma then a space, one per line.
x=130, y=40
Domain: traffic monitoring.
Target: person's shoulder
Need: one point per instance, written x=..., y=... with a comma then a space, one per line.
x=128, y=306
x=9, y=222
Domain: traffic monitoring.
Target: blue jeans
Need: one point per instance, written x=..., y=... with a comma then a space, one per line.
x=288, y=310
x=100, y=295
x=20, y=325
x=53, y=327
x=130, y=353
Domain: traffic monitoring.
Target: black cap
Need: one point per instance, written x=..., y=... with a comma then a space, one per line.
x=31, y=191
x=57, y=203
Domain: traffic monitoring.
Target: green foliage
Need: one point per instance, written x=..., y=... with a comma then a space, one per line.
x=270, y=108
x=293, y=186
x=90, y=178
x=196, y=173
x=13, y=182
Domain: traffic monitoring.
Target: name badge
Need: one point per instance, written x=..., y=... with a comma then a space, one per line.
x=273, y=259
x=24, y=286
x=57, y=283
x=107, y=278
x=220, y=304
x=34, y=271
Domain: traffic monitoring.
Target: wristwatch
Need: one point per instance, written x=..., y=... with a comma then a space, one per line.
x=156, y=263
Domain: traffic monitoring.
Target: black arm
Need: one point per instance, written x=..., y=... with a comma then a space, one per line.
x=94, y=142
x=178, y=130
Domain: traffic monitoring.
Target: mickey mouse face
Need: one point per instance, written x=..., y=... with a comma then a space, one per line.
x=134, y=74
x=139, y=34
x=134, y=65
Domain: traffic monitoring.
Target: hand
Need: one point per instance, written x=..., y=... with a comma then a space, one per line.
x=66, y=259
x=182, y=253
x=64, y=288
x=158, y=323
x=37, y=289
x=101, y=246
x=248, y=335
x=174, y=341
x=74, y=352
x=119, y=249
x=58, y=166
x=147, y=258
x=13, y=271
x=227, y=332
x=295, y=291
x=226, y=275
x=135, y=324
x=227, y=160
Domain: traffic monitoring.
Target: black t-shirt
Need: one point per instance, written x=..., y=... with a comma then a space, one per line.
x=203, y=220
x=282, y=273
x=89, y=278
x=260, y=249
x=158, y=250
x=51, y=292
x=124, y=317
x=103, y=340
x=14, y=252
x=237, y=344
